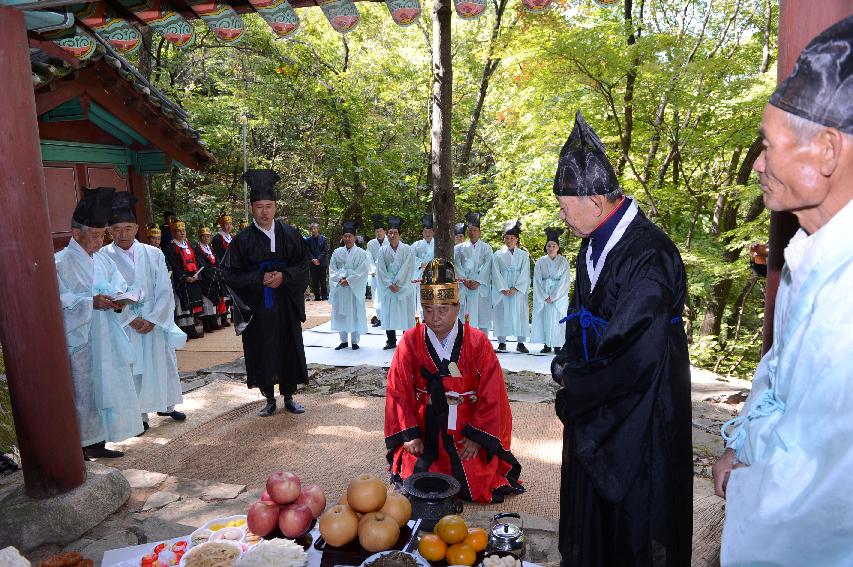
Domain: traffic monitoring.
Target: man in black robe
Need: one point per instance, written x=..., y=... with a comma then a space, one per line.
x=627, y=473
x=266, y=269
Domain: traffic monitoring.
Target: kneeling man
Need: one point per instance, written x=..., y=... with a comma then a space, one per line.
x=446, y=408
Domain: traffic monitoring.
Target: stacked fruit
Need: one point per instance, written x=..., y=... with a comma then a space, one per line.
x=453, y=541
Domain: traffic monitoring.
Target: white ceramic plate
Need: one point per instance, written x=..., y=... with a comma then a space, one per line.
x=421, y=561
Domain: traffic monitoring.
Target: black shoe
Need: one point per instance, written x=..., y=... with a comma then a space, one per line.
x=86, y=456
x=521, y=348
x=355, y=347
x=546, y=348
x=99, y=451
x=375, y=322
x=176, y=415
x=342, y=346
x=324, y=298
x=293, y=406
x=557, y=350
x=501, y=347
x=145, y=427
x=269, y=409
x=389, y=345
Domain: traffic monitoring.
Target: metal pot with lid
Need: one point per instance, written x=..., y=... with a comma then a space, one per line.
x=507, y=536
x=432, y=495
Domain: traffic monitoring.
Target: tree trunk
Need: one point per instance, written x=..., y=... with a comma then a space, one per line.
x=443, y=199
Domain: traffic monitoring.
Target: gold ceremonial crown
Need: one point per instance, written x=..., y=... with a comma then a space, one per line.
x=153, y=231
x=203, y=230
x=438, y=284
x=225, y=219
x=178, y=225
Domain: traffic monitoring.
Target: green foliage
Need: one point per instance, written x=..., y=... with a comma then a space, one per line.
x=676, y=95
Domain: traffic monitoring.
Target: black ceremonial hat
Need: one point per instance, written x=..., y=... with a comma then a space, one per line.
x=459, y=228
x=262, y=184
x=378, y=221
x=512, y=227
x=473, y=219
x=552, y=234
x=820, y=88
x=95, y=207
x=583, y=168
x=122, y=209
x=394, y=222
x=427, y=221
x=348, y=227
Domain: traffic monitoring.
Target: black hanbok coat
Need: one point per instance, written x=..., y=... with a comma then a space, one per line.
x=189, y=294
x=210, y=280
x=271, y=327
x=627, y=472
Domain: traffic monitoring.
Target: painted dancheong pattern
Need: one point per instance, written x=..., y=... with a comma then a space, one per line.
x=279, y=15
x=100, y=18
x=74, y=41
x=342, y=14
x=163, y=20
x=470, y=9
x=220, y=18
x=536, y=6
x=404, y=12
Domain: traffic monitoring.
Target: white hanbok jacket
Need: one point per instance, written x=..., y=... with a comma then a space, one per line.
x=793, y=502
x=474, y=262
x=349, y=314
x=373, y=247
x=424, y=253
x=98, y=348
x=551, y=278
x=511, y=313
x=155, y=368
x=398, y=268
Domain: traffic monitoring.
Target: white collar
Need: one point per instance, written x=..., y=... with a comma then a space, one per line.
x=270, y=233
x=348, y=250
x=183, y=245
x=130, y=251
x=205, y=248
x=77, y=249
x=444, y=351
x=615, y=237
x=225, y=236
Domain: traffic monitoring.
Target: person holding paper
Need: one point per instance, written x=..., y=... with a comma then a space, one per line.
x=348, y=271
x=446, y=408
x=151, y=329
x=182, y=262
x=98, y=348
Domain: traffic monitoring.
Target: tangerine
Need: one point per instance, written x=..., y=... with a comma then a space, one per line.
x=477, y=538
x=432, y=548
x=460, y=554
x=452, y=529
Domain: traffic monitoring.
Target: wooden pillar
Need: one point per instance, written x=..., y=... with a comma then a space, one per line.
x=799, y=22
x=443, y=199
x=31, y=328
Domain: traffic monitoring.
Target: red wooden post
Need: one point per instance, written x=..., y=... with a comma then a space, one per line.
x=799, y=22
x=31, y=328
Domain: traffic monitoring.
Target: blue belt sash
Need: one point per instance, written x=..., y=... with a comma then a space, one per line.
x=597, y=324
x=269, y=293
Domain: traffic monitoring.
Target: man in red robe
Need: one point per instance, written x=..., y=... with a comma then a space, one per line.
x=446, y=407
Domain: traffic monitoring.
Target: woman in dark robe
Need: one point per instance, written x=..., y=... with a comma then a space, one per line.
x=267, y=278
x=627, y=473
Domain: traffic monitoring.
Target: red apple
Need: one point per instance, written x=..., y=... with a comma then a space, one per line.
x=262, y=517
x=294, y=520
x=313, y=497
x=265, y=497
x=283, y=487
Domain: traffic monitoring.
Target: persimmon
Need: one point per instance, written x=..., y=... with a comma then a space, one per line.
x=460, y=554
x=432, y=548
x=452, y=529
x=477, y=538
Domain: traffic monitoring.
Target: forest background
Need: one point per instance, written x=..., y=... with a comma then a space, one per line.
x=675, y=89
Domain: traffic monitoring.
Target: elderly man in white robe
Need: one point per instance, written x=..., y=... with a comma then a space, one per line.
x=374, y=245
x=473, y=259
x=395, y=269
x=424, y=250
x=552, y=278
x=786, y=473
x=152, y=331
x=510, y=284
x=90, y=290
x=348, y=269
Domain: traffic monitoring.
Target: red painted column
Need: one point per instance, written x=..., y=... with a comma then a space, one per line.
x=31, y=327
x=799, y=22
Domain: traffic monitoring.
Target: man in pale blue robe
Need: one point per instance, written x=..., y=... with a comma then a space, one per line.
x=786, y=473
x=552, y=278
x=395, y=269
x=473, y=260
x=510, y=285
x=153, y=332
x=348, y=269
x=98, y=348
x=424, y=250
x=373, y=247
